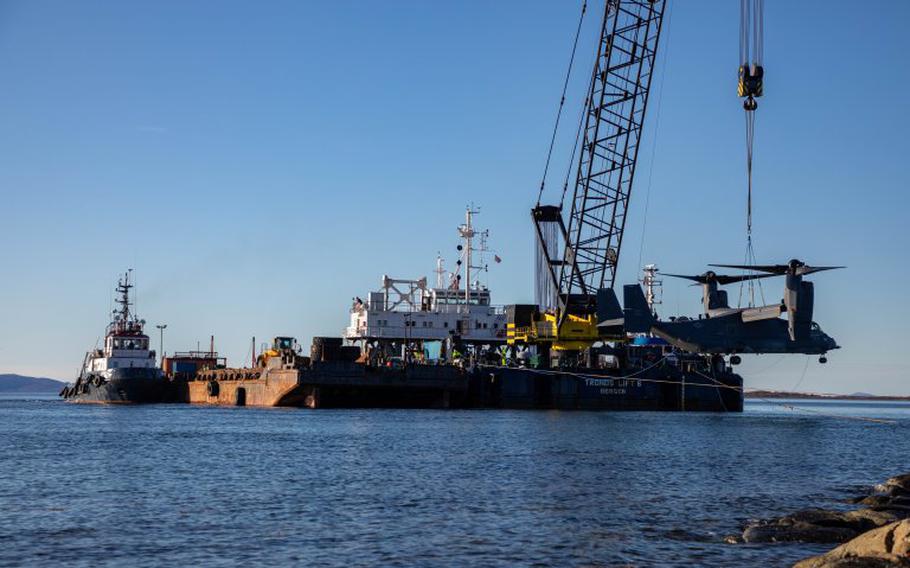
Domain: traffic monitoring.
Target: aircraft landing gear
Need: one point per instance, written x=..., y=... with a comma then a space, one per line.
x=735, y=360
x=822, y=359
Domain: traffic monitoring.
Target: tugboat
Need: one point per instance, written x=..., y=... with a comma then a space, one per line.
x=124, y=370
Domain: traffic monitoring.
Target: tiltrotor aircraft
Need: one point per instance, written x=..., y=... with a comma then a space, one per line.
x=726, y=330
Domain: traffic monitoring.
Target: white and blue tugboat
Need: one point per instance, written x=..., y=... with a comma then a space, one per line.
x=124, y=370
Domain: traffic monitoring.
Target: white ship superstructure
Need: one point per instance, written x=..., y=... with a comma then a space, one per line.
x=126, y=346
x=411, y=310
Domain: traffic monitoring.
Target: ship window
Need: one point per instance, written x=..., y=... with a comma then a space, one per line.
x=445, y=324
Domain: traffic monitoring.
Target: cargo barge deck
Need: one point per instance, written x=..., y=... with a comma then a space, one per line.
x=289, y=380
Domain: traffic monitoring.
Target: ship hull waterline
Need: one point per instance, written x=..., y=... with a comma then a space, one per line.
x=125, y=386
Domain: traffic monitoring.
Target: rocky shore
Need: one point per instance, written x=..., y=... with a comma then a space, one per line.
x=875, y=534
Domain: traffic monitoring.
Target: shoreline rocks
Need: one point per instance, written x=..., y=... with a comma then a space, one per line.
x=818, y=525
x=876, y=535
x=882, y=547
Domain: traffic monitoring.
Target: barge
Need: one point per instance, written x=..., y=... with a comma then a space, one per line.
x=329, y=378
x=413, y=345
x=655, y=382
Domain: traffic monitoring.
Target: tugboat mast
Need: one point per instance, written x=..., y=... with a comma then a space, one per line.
x=123, y=287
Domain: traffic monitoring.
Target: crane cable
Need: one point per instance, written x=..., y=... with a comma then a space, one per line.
x=750, y=86
x=562, y=100
x=660, y=98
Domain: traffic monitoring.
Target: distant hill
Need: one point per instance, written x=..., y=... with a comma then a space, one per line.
x=19, y=383
x=855, y=396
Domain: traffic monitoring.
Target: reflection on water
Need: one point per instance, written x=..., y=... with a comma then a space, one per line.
x=178, y=485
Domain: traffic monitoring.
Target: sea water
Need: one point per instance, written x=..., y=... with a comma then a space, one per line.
x=181, y=485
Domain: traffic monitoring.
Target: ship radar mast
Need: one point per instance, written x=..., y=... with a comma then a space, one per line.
x=123, y=320
x=440, y=271
x=123, y=288
x=653, y=286
x=468, y=234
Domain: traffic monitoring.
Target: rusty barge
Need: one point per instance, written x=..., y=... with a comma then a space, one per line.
x=332, y=378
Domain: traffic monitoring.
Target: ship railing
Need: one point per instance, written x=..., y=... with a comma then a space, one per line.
x=460, y=309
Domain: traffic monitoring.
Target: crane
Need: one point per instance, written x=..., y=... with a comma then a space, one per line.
x=578, y=256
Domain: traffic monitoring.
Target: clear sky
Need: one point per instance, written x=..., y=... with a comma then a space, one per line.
x=260, y=163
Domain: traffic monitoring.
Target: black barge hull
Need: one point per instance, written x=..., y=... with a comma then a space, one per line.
x=126, y=386
x=352, y=385
x=595, y=389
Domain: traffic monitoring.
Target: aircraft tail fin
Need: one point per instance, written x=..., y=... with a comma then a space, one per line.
x=639, y=318
x=609, y=312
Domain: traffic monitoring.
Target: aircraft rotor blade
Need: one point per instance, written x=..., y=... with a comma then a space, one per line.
x=722, y=279
x=770, y=268
x=803, y=270
x=700, y=278
x=795, y=268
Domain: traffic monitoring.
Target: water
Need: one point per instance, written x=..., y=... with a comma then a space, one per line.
x=185, y=485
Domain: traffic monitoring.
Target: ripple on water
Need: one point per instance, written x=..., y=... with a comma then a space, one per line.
x=180, y=485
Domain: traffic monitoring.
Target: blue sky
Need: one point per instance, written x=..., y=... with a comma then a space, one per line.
x=260, y=163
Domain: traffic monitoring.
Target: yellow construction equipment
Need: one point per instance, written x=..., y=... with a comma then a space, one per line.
x=576, y=332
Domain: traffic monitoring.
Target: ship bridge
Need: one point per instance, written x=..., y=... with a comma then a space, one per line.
x=410, y=310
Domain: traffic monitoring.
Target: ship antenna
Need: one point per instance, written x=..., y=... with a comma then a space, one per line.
x=123, y=287
x=440, y=271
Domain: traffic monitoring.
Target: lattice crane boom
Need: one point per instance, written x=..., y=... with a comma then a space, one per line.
x=609, y=142
x=614, y=119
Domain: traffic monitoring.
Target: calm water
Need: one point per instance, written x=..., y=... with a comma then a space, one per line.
x=182, y=485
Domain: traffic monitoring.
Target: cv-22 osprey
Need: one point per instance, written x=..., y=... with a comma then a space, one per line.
x=726, y=330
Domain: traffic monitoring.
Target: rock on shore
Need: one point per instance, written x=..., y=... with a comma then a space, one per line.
x=886, y=543
x=817, y=525
x=888, y=503
x=885, y=546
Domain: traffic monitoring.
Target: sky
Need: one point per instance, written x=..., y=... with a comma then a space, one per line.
x=258, y=164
